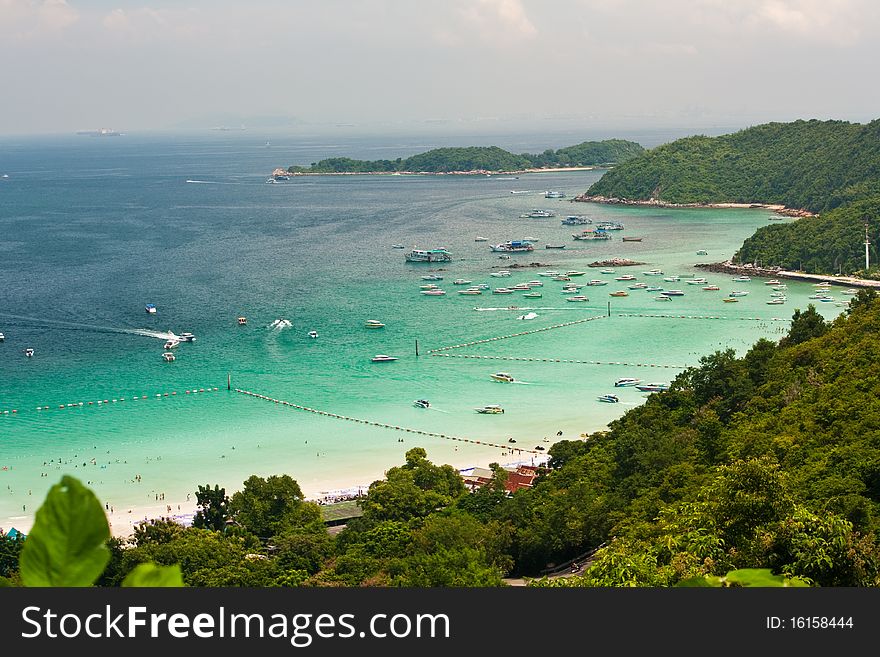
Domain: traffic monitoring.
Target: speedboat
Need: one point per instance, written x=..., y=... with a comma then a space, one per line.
x=533, y=295
x=436, y=292
x=397, y=246
x=382, y=358
x=575, y=273
x=429, y=286
x=537, y=214
x=374, y=323
x=171, y=344
x=772, y=281
x=702, y=252
x=461, y=281
x=528, y=316
x=625, y=277
x=422, y=403
x=481, y=239
x=502, y=290
x=672, y=279
x=313, y=334
x=187, y=337
x=502, y=273
x=29, y=352
x=730, y=300
x=672, y=293
x=548, y=273
x=471, y=290
x=168, y=356
x=521, y=287
x=738, y=293
x=849, y=291
x=742, y=279
x=535, y=284
x=2, y=337
x=578, y=298
x=653, y=387
x=653, y=272
x=611, y=399
x=697, y=281
x=776, y=301
x=432, y=277
x=662, y=298
x=711, y=288
x=482, y=286
x=554, y=246
x=503, y=376
x=150, y=308
x=562, y=277
x=638, y=286
x=490, y=409
x=242, y=321
x=607, y=271
x=619, y=293
x=626, y=381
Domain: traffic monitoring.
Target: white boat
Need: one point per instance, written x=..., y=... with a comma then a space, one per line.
x=548, y=273
x=432, y=277
x=429, y=286
x=672, y=293
x=397, y=246
x=550, y=193
x=638, y=286
x=662, y=298
x=481, y=239
x=575, y=272
x=528, y=316
x=382, y=358
x=596, y=281
x=653, y=288
x=625, y=277
x=374, y=324
x=437, y=292
x=672, y=279
x=490, y=409
x=502, y=376
x=537, y=214
x=422, y=403
x=500, y=274
x=653, y=387
x=513, y=246
x=533, y=295
x=242, y=321
x=742, y=279
x=607, y=271
x=313, y=334
x=171, y=344
x=776, y=301
x=702, y=252
x=698, y=281
x=626, y=381
x=711, y=288
x=610, y=399
x=168, y=356
x=772, y=281
x=578, y=298
x=576, y=220
x=610, y=225
x=589, y=235
x=2, y=337
x=186, y=336
x=535, y=284
x=738, y=293
x=522, y=287
x=461, y=281
x=502, y=290
x=432, y=255
x=150, y=308
x=29, y=352
x=849, y=291
x=653, y=272
x=471, y=291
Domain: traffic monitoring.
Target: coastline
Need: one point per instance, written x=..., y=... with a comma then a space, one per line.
x=777, y=208
x=473, y=172
x=728, y=267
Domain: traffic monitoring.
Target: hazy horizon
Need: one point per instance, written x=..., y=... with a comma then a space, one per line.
x=463, y=66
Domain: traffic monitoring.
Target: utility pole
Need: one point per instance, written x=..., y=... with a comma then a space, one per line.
x=867, y=242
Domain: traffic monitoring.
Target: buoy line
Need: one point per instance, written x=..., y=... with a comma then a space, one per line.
x=110, y=401
x=747, y=319
x=382, y=425
x=515, y=335
x=560, y=360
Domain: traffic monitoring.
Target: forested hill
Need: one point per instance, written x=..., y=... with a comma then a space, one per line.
x=483, y=158
x=812, y=165
x=831, y=243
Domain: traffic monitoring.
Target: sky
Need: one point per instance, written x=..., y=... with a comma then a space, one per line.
x=454, y=65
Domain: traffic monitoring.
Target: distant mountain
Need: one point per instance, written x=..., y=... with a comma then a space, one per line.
x=483, y=158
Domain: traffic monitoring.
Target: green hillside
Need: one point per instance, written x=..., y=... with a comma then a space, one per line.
x=813, y=165
x=830, y=243
x=483, y=158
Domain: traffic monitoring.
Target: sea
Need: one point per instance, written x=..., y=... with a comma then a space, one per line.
x=94, y=228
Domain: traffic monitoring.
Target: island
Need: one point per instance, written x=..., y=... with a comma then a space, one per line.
x=480, y=160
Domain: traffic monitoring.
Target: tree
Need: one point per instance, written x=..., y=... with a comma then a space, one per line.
x=269, y=507
x=213, y=506
x=805, y=325
x=10, y=549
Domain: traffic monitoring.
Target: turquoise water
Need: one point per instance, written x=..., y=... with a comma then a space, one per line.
x=92, y=229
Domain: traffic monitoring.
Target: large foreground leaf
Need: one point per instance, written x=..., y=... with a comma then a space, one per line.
x=67, y=544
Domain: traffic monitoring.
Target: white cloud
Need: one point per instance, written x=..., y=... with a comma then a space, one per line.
x=835, y=21
x=29, y=19
x=496, y=22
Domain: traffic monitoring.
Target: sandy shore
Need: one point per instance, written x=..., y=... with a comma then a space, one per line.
x=476, y=172
x=655, y=203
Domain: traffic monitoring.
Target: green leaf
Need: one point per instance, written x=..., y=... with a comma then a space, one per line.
x=698, y=582
x=66, y=546
x=152, y=575
x=760, y=577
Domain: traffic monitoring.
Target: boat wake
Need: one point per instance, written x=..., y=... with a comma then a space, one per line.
x=209, y=182
x=280, y=324
x=77, y=326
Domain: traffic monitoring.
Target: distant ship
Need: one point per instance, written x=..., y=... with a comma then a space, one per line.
x=102, y=132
